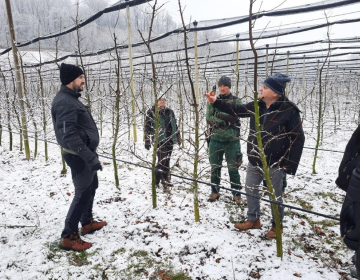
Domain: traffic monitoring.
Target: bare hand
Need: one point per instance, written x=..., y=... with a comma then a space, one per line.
x=211, y=97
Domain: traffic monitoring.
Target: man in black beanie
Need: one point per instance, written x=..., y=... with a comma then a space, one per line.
x=77, y=134
x=282, y=137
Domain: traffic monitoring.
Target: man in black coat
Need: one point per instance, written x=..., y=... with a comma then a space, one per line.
x=168, y=136
x=349, y=181
x=282, y=137
x=77, y=134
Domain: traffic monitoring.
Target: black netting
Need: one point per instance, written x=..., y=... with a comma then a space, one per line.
x=206, y=25
x=285, y=31
x=322, y=5
x=297, y=52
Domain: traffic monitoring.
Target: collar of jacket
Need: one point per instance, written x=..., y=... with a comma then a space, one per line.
x=225, y=96
x=276, y=104
x=73, y=93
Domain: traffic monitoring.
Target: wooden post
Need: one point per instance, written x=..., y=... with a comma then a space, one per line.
x=19, y=85
x=267, y=60
x=8, y=109
x=237, y=64
x=287, y=73
x=131, y=73
x=349, y=82
x=303, y=78
x=196, y=65
x=246, y=81
x=303, y=88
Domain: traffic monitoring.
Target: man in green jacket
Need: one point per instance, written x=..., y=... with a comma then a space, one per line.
x=224, y=139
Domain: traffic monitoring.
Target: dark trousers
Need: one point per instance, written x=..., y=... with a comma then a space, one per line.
x=231, y=150
x=163, y=154
x=85, y=183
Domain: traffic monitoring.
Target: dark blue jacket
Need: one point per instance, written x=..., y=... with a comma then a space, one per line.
x=349, y=161
x=282, y=134
x=349, y=180
x=74, y=126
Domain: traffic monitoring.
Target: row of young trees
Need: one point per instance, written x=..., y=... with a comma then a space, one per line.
x=119, y=95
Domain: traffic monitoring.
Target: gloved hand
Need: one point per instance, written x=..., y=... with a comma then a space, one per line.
x=290, y=169
x=95, y=165
x=179, y=140
x=147, y=144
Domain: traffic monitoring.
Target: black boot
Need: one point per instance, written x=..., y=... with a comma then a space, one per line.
x=355, y=272
x=167, y=183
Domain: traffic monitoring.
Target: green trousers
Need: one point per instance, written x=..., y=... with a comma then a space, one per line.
x=233, y=156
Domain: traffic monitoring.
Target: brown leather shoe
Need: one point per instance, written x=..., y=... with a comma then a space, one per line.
x=93, y=226
x=214, y=196
x=248, y=225
x=238, y=200
x=75, y=243
x=272, y=232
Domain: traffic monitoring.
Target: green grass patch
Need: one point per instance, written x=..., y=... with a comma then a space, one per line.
x=78, y=258
x=180, y=276
x=324, y=194
x=141, y=263
x=118, y=251
x=325, y=223
x=305, y=204
x=54, y=250
x=167, y=271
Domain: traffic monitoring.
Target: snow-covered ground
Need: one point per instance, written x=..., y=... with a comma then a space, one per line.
x=140, y=242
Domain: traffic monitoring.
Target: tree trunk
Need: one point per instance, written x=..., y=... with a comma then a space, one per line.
x=196, y=124
x=131, y=74
x=258, y=128
x=18, y=80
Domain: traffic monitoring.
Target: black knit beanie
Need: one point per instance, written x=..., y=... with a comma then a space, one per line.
x=224, y=81
x=69, y=72
x=277, y=83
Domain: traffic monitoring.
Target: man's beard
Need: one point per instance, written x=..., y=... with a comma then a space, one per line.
x=79, y=89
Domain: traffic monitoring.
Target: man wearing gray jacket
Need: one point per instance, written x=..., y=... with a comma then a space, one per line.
x=77, y=134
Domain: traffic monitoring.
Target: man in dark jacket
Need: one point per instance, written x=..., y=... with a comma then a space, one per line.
x=282, y=137
x=349, y=181
x=168, y=135
x=224, y=139
x=77, y=134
